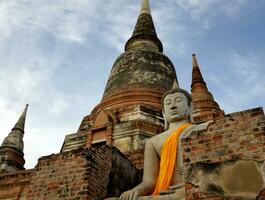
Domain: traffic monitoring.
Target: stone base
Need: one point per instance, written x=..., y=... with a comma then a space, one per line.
x=178, y=195
x=158, y=197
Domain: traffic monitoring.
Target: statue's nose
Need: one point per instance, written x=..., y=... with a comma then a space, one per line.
x=173, y=107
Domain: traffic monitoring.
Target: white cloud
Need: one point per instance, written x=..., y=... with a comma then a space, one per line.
x=118, y=22
x=64, y=19
x=209, y=8
x=196, y=8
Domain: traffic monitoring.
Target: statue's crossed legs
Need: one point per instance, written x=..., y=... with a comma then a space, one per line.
x=178, y=194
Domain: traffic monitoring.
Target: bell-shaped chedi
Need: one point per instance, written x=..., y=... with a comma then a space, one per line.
x=142, y=73
x=130, y=110
x=205, y=107
x=11, y=150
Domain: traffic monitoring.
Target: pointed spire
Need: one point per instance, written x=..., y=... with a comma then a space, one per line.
x=11, y=150
x=145, y=9
x=196, y=72
x=144, y=34
x=205, y=107
x=20, y=125
x=194, y=61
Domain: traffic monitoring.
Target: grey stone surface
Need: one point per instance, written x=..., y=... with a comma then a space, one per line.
x=149, y=69
x=242, y=178
x=159, y=197
x=74, y=141
x=14, y=140
x=144, y=31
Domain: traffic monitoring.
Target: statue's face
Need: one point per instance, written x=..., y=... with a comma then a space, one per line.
x=176, y=107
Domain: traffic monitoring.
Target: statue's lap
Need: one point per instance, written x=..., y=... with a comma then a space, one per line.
x=159, y=197
x=179, y=195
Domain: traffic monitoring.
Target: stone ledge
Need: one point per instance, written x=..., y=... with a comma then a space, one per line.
x=160, y=197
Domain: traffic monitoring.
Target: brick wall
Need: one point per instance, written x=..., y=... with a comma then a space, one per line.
x=60, y=176
x=238, y=137
x=79, y=174
x=12, y=185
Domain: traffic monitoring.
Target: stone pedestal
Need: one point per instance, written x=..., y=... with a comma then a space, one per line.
x=159, y=197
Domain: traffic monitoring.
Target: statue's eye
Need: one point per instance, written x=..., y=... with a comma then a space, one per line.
x=178, y=100
x=168, y=102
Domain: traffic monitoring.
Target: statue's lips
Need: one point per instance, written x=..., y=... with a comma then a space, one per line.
x=174, y=112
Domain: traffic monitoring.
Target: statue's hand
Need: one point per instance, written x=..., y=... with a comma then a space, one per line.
x=130, y=195
x=177, y=186
x=166, y=192
x=172, y=189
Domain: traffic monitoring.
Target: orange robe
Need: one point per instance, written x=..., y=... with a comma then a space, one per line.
x=168, y=159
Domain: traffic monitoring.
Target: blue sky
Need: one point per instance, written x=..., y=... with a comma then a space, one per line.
x=57, y=56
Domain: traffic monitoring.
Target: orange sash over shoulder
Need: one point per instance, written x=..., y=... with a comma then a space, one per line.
x=168, y=158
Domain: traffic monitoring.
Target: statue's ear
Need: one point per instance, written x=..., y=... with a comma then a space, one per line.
x=165, y=121
x=191, y=112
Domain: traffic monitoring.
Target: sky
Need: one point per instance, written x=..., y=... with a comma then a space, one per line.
x=57, y=55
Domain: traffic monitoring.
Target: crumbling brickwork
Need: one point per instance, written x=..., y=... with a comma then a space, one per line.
x=227, y=160
x=79, y=174
x=61, y=176
x=12, y=185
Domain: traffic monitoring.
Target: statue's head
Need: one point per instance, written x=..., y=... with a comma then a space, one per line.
x=176, y=105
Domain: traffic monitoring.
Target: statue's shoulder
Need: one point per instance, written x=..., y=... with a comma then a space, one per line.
x=158, y=141
x=161, y=135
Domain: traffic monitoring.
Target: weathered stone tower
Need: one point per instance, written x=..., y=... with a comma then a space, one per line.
x=11, y=150
x=205, y=107
x=130, y=110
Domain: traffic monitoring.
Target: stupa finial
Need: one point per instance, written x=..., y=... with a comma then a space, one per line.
x=145, y=9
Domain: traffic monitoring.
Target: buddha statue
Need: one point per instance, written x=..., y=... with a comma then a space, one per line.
x=163, y=177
